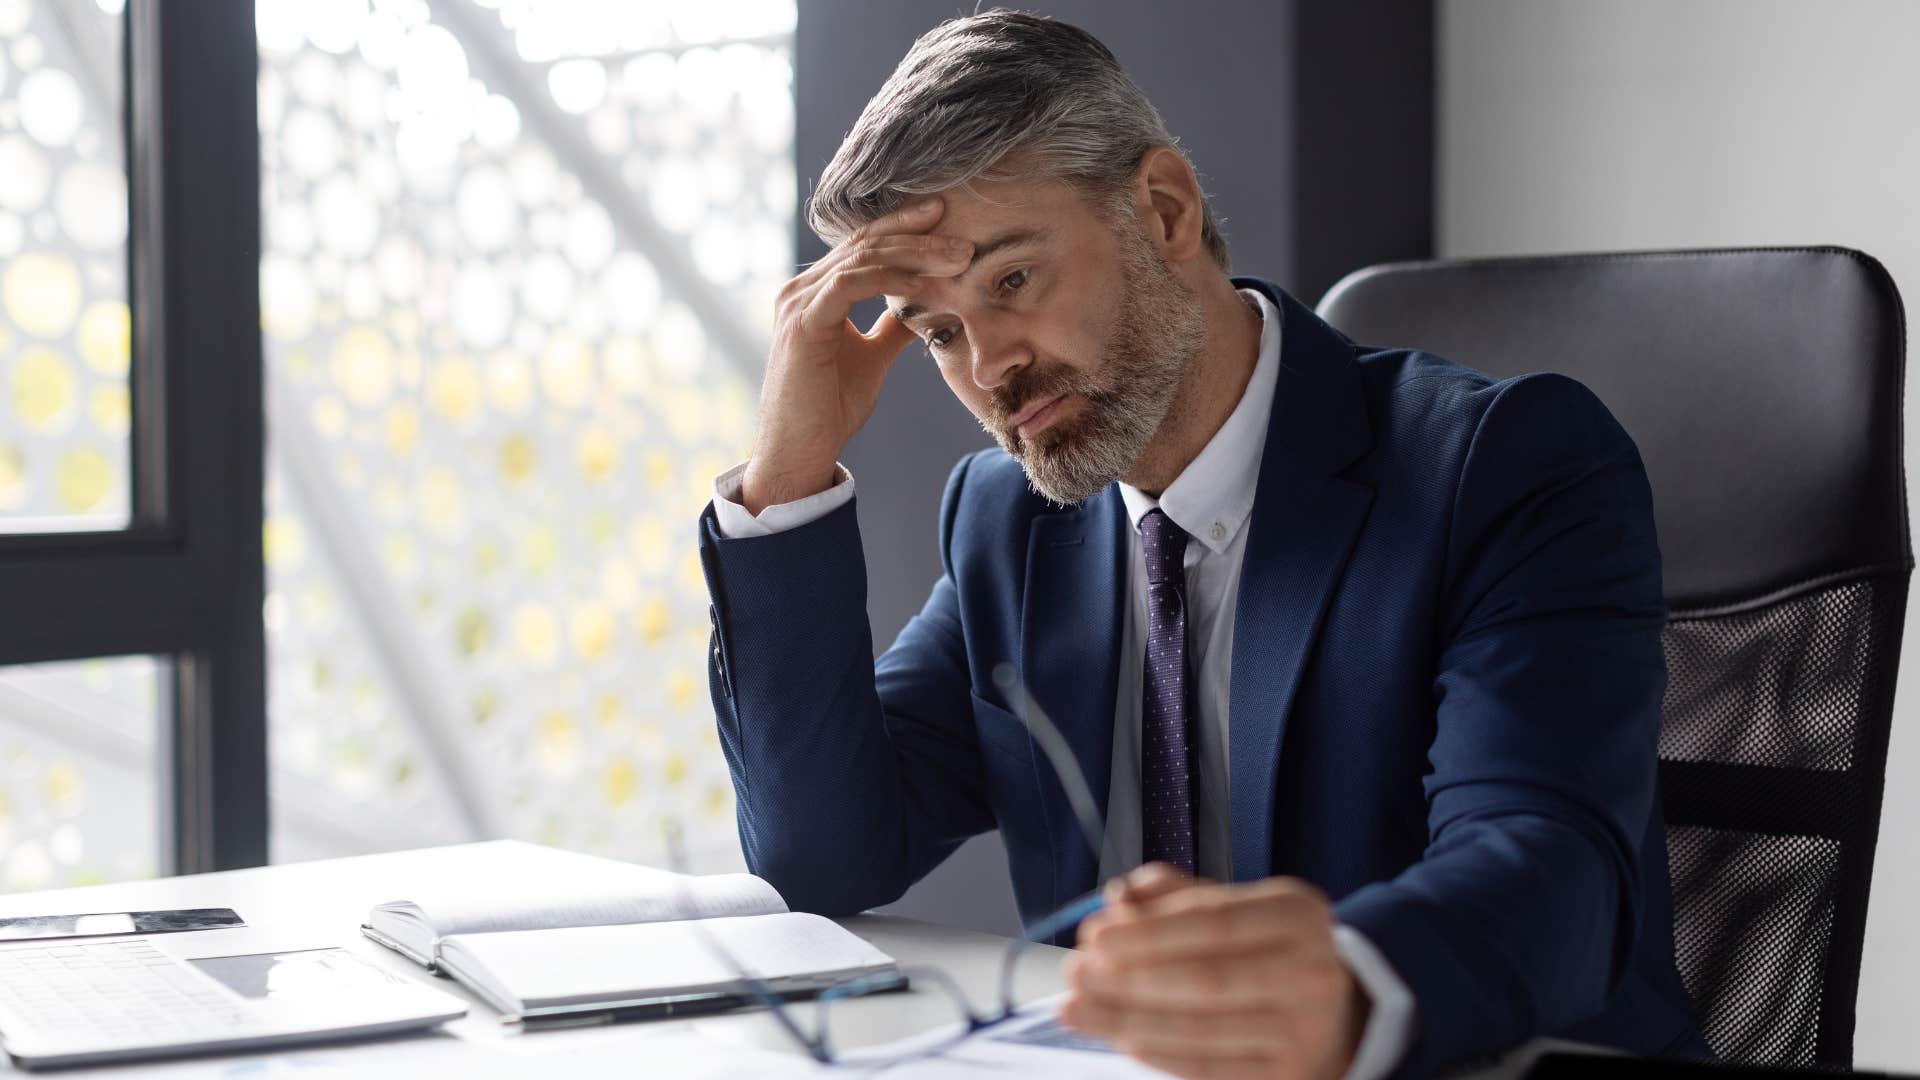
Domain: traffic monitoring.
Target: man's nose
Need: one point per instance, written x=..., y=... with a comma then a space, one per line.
x=999, y=349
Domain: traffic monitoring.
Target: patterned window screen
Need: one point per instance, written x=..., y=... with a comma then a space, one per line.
x=79, y=783
x=520, y=258
x=79, y=796
x=63, y=282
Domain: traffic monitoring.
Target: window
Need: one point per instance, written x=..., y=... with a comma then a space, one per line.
x=131, y=697
x=78, y=783
x=519, y=265
x=64, y=332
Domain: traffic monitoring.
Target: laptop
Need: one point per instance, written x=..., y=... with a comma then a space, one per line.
x=124, y=999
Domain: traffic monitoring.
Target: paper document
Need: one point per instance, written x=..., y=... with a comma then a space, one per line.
x=1034, y=1045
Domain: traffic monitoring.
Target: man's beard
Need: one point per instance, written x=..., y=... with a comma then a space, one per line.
x=1157, y=327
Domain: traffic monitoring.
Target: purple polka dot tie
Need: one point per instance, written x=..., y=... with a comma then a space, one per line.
x=1166, y=763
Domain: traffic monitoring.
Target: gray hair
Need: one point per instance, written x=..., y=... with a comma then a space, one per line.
x=1001, y=95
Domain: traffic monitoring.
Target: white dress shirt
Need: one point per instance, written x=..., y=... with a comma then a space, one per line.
x=1212, y=499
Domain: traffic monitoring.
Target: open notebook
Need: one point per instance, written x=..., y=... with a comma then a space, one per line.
x=616, y=938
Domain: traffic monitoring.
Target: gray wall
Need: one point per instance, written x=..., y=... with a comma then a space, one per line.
x=1242, y=84
x=1568, y=125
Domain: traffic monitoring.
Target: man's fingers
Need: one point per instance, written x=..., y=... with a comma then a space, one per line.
x=1149, y=882
x=928, y=253
x=830, y=303
x=900, y=229
x=1124, y=895
x=1274, y=978
x=1190, y=1067
x=1212, y=982
x=898, y=267
x=925, y=253
x=1227, y=1034
x=888, y=335
x=913, y=217
x=1216, y=919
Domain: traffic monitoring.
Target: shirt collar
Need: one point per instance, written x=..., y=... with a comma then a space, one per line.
x=1213, y=496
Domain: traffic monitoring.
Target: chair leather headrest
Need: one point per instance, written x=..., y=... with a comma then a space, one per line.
x=1763, y=387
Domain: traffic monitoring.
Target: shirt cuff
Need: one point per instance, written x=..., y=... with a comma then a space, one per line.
x=1389, y=1030
x=736, y=523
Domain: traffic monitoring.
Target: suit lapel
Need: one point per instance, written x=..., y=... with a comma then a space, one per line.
x=1070, y=649
x=1305, y=520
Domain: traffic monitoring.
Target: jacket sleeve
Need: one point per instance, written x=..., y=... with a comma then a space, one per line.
x=1524, y=908
x=853, y=777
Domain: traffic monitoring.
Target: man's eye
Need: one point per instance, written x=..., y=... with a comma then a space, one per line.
x=1015, y=281
x=939, y=339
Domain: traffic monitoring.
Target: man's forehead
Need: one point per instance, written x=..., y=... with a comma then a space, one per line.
x=976, y=210
x=995, y=217
x=1011, y=238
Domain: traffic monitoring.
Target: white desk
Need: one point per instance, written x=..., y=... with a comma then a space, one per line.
x=324, y=903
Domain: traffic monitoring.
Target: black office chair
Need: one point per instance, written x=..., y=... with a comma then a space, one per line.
x=1763, y=387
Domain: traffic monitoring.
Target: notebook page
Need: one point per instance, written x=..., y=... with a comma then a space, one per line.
x=597, y=895
x=608, y=963
x=657, y=899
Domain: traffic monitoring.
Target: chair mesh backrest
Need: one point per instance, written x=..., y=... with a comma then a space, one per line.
x=1763, y=387
x=1762, y=765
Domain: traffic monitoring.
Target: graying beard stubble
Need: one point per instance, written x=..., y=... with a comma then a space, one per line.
x=1156, y=333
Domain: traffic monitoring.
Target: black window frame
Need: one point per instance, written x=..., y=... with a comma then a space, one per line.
x=186, y=580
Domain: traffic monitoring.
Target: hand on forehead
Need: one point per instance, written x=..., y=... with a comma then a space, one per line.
x=997, y=217
x=978, y=210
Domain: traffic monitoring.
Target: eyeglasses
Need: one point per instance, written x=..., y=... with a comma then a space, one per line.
x=826, y=1036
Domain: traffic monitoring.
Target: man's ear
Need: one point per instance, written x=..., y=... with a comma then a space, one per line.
x=1168, y=200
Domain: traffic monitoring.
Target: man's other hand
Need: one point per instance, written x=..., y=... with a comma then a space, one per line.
x=1209, y=980
x=824, y=375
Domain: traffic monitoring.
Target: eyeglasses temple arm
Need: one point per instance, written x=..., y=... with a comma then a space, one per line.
x=748, y=981
x=1047, y=737
x=1067, y=916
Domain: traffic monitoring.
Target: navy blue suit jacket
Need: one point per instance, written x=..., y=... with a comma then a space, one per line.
x=1446, y=693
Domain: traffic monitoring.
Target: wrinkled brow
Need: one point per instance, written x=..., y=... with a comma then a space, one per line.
x=984, y=249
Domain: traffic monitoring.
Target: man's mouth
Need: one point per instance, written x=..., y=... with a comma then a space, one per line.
x=1033, y=419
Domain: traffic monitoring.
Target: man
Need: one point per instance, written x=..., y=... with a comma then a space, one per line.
x=1360, y=649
